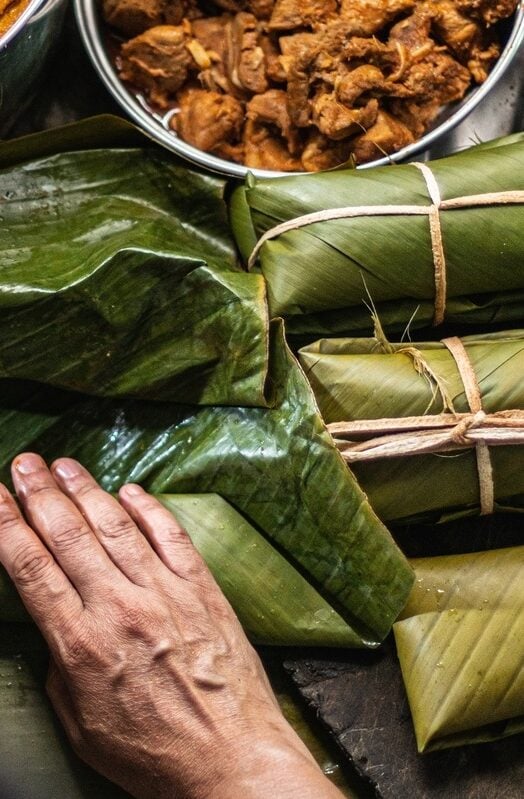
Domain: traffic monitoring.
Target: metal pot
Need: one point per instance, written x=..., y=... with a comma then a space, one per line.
x=24, y=50
x=94, y=34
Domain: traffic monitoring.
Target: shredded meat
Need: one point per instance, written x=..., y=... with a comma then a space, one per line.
x=305, y=84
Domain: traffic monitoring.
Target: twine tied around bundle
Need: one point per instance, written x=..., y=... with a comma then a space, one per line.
x=376, y=439
x=433, y=212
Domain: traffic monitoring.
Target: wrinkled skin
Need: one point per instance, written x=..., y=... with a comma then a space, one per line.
x=151, y=674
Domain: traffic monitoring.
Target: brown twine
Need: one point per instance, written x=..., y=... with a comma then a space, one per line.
x=432, y=212
x=472, y=390
x=444, y=432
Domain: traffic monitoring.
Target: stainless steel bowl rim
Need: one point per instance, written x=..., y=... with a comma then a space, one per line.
x=19, y=23
x=87, y=18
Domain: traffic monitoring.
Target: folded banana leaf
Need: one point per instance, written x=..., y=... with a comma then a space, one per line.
x=273, y=601
x=462, y=648
x=277, y=466
x=368, y=379
x=118, y=277
x=321, y=276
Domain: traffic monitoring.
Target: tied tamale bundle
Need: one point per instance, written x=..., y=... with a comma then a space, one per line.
x=461, y=648
x=426, y=242
x=431, y=430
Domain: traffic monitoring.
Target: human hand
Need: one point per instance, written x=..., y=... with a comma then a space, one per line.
x=151, y=674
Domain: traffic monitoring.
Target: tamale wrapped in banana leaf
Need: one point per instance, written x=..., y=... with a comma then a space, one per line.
x=376, y=397
x=461, y=648
x=277, y=466
x=427, y=243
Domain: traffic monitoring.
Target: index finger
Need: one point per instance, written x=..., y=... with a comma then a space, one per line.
x=63, y=529
x=43, y=587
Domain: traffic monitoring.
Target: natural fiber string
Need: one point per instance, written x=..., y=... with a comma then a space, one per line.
x=437, y=246
x=432, y=211
x=472, y=390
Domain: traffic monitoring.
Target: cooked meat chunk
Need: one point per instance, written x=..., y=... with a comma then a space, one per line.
x=437, y=75
x=289, y=14
x=460, y=33
x=265, y=149
x=158, y=61
x=415, y=115
x=487, y=10
x=211, y=121
x=337, y=121
x=354, y=84
x=464, y=38
x=136, y=16
x=323, y=153
x=299, y=53
x=262, y=9
x=386, y=136
x=481, y=59
x=274, y=68
x=246, y=63
x=367, y=17
x=412, y=33
x=271, y=109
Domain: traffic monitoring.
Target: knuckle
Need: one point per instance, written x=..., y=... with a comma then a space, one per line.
x=31, y=565
x=8, y=517
x=67, y=533
x=86, y=487
x=115, y=526
x=135, y=619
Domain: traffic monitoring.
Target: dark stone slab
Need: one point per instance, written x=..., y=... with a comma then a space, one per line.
x=360, y=698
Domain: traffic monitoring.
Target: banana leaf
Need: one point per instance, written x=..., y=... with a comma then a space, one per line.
x=366, y=379
x=321, y=277
x=277, y=466
x=274, y=602
x=488, y=581
x=461, y=650
x=119, y=277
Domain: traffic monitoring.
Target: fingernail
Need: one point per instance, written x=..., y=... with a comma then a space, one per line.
x=66, y=468
x=132, y=489
x=28, y=463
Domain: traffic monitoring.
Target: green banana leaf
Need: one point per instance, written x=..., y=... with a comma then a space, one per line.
x=118, y=278
x=277, y=466
x=274, y=602
x=487, y=581
x=322, y=276
x=359, y=379
x=460, y=643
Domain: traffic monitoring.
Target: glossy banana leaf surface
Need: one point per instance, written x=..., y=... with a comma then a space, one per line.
x=119, y=277
x=322, y=276
x=273, y=601
x=277, y=466
x=358, y=379
x=461, y=648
